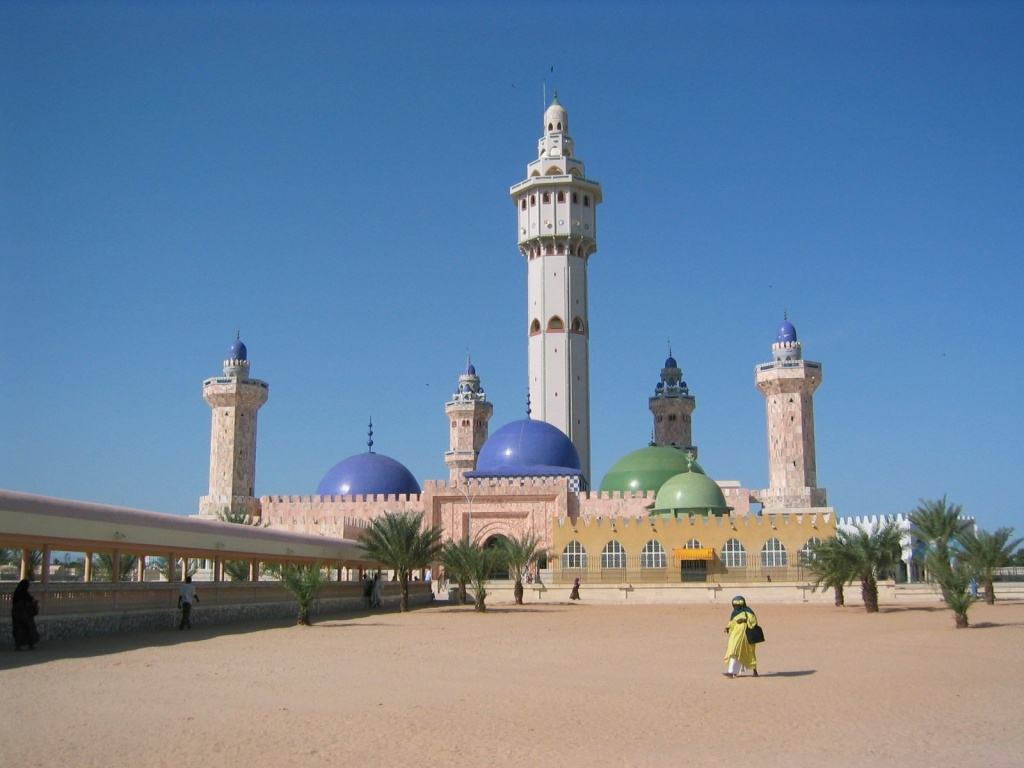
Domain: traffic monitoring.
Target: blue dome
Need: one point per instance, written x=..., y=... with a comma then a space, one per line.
x=671, y=362
x=366, y=474
x=527, y=448
x=470, y=370
x=237, y=351
x=785, y=333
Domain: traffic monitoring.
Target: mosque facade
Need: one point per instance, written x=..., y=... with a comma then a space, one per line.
x=655, y=515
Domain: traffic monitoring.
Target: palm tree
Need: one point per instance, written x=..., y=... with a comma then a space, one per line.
x=165, y=571
x=455, y=557
x=126, y=565
x=304, y=581
x=13, y=557
x=236, y=517
x=519, y=554
x=955, y=580
x=938, y=525
x=482, y=562
x=983, y=552
x=829, y=566
x=871, y=553
x=399, y=541
x=237, y=570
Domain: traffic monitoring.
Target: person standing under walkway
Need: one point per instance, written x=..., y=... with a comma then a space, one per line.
x=186, y=597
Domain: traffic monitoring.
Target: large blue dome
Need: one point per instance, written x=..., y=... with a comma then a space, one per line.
x=366, y=474
x=527, y=448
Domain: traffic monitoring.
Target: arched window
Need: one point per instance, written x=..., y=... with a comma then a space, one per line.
x=556, y=324
x=773, y=554
x=535, y=326
x=652, y=555
x=807, y=551
x=577, y=325
x=693, y=544
x=734, y=555
x=561, y=197
x=575, y=197
x=522, y=204
x=533, y=200
x=574, y=555
x=586, y=201
x=546, y=197
x=613, y=555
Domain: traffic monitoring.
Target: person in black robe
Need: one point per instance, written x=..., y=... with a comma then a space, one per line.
x=24, y=608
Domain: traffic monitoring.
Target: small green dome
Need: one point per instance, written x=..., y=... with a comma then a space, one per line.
x=690, y=493
x=648, y=469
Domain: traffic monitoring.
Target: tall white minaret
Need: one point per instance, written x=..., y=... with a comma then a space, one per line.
x=788, y=383
x=557, y=207
x=234, y=399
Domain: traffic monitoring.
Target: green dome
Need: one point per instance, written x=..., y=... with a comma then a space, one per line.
x=648, y=469
x=690, y=493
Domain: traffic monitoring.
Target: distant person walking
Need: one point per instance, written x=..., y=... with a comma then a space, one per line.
x=378, y=585
x=368, y=591
x=740, y=653
x=186, y=597
x=24, y=608
x=575, y=594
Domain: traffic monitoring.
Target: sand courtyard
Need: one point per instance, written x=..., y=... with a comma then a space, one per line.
x=533, y=685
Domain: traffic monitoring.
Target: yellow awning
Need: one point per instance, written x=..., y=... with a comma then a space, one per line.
x=694, y=554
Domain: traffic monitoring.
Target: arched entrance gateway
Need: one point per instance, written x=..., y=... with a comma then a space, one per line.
x=493, y=542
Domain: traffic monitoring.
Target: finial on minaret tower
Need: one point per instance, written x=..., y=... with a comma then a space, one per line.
x=672, y=406
x=235, y=400
x=788, y=383
x=557, y=233
x=469, y=413
x=369, y=436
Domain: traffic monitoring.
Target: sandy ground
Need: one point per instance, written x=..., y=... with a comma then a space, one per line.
x=536, y=685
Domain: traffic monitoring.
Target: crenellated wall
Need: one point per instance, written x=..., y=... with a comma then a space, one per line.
x=634, y=533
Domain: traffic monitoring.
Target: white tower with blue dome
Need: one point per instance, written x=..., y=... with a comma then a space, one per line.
x=235, y=400
x=788, y=383
x=557, y=210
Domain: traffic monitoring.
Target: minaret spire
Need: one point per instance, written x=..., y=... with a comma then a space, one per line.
x=788, y=384
x=557, y=222
x=672, y=407
x=468, y=413
x=234, y=399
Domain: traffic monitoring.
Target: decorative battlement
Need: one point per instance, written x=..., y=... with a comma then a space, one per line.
x=734, y=522
x=400, y=498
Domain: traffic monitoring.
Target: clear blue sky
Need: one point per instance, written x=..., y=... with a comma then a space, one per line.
x=332, y=180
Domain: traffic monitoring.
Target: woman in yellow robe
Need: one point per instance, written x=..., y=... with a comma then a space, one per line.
x=740, y=654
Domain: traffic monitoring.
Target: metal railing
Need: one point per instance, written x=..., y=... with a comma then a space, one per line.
x=673, y=572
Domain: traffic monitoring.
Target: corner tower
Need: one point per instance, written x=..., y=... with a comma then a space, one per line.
x=672, y=406
x=469, y=414
x=235, y=400
x=788, y=384
x=557, y=229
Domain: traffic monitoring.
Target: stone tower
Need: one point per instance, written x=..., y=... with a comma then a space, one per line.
x=235, y=400
x=557, y=229
x=672, y=406
x=469, y=413
x=788, y=383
